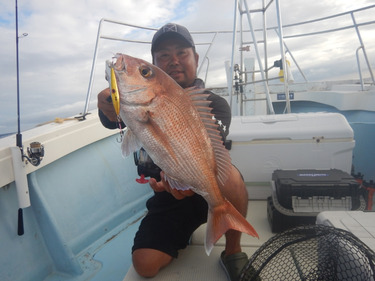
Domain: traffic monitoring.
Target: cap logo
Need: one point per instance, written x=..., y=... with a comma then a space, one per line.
x=170, y=28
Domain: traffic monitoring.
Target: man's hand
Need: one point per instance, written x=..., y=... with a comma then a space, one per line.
x=164, y=186
x=106, y=106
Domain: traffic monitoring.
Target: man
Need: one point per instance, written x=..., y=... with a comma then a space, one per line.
x=173, y=215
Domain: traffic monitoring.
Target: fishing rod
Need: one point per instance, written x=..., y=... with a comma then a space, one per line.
x=19, y=135
x=20, y=229
x=35, y=152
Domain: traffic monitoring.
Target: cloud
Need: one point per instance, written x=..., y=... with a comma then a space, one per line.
x=55, y=58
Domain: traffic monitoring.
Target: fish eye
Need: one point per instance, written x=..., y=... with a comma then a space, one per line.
x=145, y=71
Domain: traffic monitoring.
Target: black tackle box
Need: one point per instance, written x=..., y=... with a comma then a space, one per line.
x=299, y=195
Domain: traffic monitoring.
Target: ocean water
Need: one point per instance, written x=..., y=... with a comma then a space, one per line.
x=5, y=135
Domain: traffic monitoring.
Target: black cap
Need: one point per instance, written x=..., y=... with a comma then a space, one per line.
x=172, y=29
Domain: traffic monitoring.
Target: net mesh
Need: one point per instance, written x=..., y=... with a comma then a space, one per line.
x=314, y=252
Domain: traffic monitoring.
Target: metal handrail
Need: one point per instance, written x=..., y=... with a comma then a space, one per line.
x=100, y=36
x=359, y=67
x=316, y=20
x=363, y=49
x=283, y=47
x=266, y=88
x=234, y=32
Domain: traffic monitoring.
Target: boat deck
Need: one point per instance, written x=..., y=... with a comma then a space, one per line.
x=194, y=264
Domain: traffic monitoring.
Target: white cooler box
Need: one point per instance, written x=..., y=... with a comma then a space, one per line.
x=361, y=224
x=263, y=144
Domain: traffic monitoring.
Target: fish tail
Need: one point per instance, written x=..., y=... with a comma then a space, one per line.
x=222, y=218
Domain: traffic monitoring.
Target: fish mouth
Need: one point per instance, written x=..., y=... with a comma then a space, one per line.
x=130, y=94
x=117, y=63
x=120, y=63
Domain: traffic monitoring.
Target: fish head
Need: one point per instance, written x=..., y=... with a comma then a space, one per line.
x=139, y=82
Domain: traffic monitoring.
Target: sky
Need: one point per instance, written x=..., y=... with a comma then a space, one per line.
x=55, y=57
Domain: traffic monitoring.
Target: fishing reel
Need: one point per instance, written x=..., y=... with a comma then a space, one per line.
x=35, y=153
x=145, y=166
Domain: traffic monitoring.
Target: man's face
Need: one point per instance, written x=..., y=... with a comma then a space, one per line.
x=178, y=60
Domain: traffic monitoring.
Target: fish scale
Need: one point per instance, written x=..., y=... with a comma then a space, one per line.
x=182, y=138
x=176, y=128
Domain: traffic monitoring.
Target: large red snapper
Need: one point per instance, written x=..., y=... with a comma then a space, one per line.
x=177, y=129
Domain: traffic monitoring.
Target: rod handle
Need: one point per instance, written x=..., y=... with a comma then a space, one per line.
x=20, y=230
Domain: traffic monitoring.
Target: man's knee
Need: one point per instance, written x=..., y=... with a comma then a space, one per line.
x=148, y=262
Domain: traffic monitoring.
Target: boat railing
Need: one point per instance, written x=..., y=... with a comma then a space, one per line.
x=102, y=36
x=263, y=64
x=208, y=39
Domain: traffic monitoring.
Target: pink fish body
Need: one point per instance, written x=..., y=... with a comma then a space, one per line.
x=177, y=129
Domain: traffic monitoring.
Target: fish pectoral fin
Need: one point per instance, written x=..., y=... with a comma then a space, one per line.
x=222, y=218
x=180, y=186
x=130, y=143
x=176, y=184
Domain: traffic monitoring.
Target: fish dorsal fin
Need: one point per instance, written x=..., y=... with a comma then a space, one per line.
x=202, y=104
